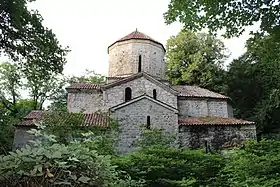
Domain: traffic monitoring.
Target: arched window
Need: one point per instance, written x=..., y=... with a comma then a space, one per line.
x=139, y=63
x=148, y=122
x=127, y=94
x=154, y=94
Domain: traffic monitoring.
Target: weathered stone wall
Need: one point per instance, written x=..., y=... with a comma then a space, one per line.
x=230, y=111
x=131, y=117
x=218, y=108
x=215, y=135
x=200, y=107
x=116, y=95
x=85, y=101
x=21, y=137
x=124, y=58
x=193, y=107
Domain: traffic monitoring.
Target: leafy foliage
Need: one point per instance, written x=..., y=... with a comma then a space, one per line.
x=155, y=138
x=26, y=40
x=253, y=83
x=196, y=59
x=8, y=118
x=71, y=126
x=46, y=162
x=157, y=163
x=256, y=165
x=232, y=16
x=171, y=167
x=10, y=82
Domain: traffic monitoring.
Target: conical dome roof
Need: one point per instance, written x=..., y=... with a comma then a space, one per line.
x=137, y=35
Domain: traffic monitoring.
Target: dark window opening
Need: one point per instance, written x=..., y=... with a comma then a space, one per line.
x=154, y=94
x=127, y=94
x=148, y=122
x=139, y=63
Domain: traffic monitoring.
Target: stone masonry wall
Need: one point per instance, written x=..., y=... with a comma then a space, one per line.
x=21, y=137
x=199, y=107
x=217, y=108
x=216, y=136
x=124, y=58
x=193, y=107
x=85, y=101
x=132, y=116
x=230, y=111
x=140, y=86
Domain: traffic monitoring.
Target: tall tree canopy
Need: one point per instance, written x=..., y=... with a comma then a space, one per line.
x=254, y=83
x=196, y=59
x=26, y=40
x=231, y=15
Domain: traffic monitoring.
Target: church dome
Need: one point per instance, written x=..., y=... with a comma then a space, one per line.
x=134, y=53
x=137, y=36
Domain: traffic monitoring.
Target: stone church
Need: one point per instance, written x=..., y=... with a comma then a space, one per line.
x=136, y=93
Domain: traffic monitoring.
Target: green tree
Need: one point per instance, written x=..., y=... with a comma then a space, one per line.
x=7, y=130
x=10, y=83
x=26, y=40
x=257, y=164
x=231, y=15
x=8, y=119
x=89, y=76
x=196, y=59
x=41, y=87
x=253, y=83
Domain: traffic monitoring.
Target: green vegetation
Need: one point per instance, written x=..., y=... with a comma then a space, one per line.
x=36, y=64
x=252, y=80
x=196, y=59
x=47, y=161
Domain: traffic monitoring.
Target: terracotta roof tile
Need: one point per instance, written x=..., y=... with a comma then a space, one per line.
x=195, y=91
x=34, y=114
x=137, y=35
x=87, y=86
x=86, y=119
x=212, y=121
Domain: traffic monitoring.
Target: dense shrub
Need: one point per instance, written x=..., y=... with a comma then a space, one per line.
x=48, y=163
x=256, y=165
x=160, y=164
x=171, y=167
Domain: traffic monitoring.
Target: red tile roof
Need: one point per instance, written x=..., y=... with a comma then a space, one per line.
x=87, y=86
x=213, y=121
x=34, y=114
x=137, y=35
x=86, y=119
x=195, y=91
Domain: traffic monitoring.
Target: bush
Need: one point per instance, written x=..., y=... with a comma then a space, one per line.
x=48, y=163
x=256, y=165
x=157, y=163
x=171, y=167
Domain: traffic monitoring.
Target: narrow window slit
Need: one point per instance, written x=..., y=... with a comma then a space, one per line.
x=148, y=122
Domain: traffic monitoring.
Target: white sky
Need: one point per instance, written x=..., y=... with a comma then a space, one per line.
x=88, y=27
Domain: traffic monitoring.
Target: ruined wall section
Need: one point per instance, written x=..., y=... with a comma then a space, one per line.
x=216, y=136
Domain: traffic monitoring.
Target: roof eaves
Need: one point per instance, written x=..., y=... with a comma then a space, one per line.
x=121, y=105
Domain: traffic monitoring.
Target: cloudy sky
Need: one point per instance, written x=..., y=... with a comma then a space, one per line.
x=88, y=27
